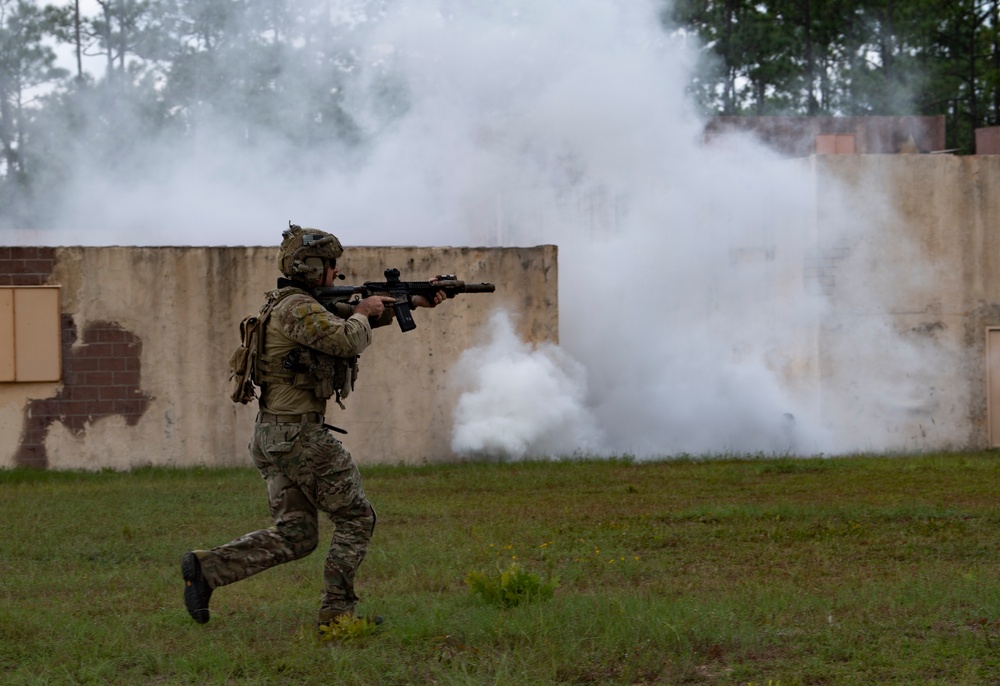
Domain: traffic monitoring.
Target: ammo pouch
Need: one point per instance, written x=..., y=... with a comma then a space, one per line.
x=326, y=375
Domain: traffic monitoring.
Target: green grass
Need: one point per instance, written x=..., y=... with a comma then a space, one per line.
x=861, y=570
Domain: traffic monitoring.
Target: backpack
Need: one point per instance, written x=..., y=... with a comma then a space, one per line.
x=243, y=361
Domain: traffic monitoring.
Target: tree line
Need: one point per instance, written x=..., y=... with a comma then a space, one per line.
x=849, y=57
x=136, y=71
x=95, y=90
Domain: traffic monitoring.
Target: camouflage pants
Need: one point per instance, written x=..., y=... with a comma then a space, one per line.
x=307, y=471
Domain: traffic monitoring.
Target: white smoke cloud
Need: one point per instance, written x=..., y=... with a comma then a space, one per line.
x=688, y=321
x=521, y=400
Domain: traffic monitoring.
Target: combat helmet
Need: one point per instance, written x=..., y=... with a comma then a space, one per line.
x=304, y=253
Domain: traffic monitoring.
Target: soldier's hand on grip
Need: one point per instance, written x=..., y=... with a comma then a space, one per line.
x=373, y=305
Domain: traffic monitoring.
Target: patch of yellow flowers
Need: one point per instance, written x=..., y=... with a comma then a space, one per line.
x=347, y=627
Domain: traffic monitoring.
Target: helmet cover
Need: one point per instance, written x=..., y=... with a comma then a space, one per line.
x=304, y=253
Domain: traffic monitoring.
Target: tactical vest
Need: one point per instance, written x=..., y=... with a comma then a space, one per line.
x=326, y=375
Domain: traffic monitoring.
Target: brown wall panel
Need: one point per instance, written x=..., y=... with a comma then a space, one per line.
x=36, y=334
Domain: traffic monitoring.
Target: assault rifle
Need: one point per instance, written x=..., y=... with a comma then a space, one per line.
x=336, y=298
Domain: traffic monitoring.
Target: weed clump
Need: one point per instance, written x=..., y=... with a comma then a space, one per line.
x=510, y=587
x=346, y=627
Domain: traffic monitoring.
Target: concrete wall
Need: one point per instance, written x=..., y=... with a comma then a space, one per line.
x=929, y=255
x=147, y=334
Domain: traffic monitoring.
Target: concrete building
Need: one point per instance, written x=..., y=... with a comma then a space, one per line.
x=988, y=140
x=804, y=136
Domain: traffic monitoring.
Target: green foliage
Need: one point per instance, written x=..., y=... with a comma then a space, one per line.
x=509, y=587
x=26, y=61
x=851, y=57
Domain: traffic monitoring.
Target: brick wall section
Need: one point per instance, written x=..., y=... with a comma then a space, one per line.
x=101, y=375
x=26, y=266
x=100, y=379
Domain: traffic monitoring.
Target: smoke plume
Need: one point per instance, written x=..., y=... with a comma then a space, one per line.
x=686, y=323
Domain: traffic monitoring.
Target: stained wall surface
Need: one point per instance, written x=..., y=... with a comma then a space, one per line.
x=928, y=253
x=146, y=335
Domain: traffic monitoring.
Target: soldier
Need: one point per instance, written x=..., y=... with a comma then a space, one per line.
x=308, y=356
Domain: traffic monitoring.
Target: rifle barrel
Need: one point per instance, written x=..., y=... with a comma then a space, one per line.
x=480, y=288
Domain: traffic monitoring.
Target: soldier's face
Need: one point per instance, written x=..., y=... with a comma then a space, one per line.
x=330, y=274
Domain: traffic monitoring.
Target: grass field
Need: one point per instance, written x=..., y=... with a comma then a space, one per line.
x=861, y=570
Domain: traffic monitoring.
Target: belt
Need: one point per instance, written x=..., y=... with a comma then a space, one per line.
x=314, y=417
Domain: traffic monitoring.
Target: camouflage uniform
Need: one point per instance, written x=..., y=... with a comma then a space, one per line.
x=306, y=468
x=307, y=471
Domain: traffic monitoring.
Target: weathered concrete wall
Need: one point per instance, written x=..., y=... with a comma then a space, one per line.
x=147, y=334
x=928, y=254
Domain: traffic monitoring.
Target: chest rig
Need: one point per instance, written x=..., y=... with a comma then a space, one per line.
x=327, y=376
